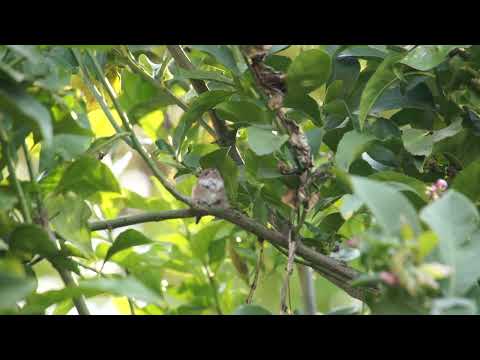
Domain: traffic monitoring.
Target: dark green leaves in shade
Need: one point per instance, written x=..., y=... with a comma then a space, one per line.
x=32, y=239
x=350, y=147
x=380, y=81
x=463, y=181
x=24, y=107
x=308, y=71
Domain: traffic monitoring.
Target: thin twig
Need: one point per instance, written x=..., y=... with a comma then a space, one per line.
x=66, y=276
x=138, y=70
x=333, y=270
x=224, y=137
x=257, y=273
x=338, y=273
x=27, y=217
x=135, y=142
x=292, y=245
x=213, y=286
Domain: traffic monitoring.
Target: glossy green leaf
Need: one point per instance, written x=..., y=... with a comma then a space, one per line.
x=380, y=81
x=222, y=54
x=426, y=57
x=421, y=142
x=308, y=71
x=125, y=240
x=350, y=147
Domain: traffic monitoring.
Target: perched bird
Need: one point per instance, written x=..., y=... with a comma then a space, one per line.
x=210, y=190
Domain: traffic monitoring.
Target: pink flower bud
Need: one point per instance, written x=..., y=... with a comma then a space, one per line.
x=353, y=242
x=388, y=278
x=441, y=184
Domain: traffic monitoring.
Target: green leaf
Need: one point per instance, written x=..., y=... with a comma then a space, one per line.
x=87, y=176
x=426, y=57
x=243, y=112
x=304, y=103
x=23, y=107
x=92, y=47
x=263, y=141
x=201, y=104
x=418, y=97
x=427, y=241
x=381, y=80
x=128, y=286
x=390, y=207
x=454, y=306
x=216, y=251
x=204, y=75
x=30, y=52
x=220, y=160
x=222, y=54
x=251, y=310
x=392, y=178
x=7, y=199
x=350, y=147
x=417, y=142
x=420, y=142
x=455, y=220
x=32, y=239
x=14, y=285
x=346, y=310
x=200, y=242
x=125, y=240
x=69, y=216
x=308, y=71
x=464, y=184
x=66, y=146
x=346, y=70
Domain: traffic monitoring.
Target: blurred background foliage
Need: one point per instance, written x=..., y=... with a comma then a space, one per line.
x=387, y=121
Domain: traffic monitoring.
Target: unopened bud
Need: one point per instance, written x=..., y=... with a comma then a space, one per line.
x=441, y=184
x=353, y=242
x=388, y=278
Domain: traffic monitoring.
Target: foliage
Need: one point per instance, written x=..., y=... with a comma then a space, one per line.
x=368, y=154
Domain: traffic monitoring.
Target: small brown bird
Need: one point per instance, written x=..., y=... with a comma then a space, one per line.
x=210, y=190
